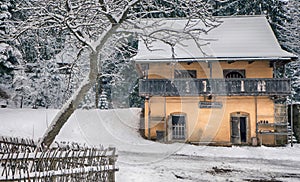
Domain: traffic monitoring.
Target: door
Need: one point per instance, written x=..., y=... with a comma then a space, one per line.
x=235, y=133
x=178, y=127
x=238, y=130
x=243, y=129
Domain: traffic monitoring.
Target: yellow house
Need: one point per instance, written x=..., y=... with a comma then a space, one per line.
x=225, y=93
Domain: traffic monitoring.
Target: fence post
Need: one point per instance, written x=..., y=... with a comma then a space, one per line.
x=111, y=162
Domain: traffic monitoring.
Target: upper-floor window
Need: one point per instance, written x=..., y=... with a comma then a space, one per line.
x=232, y=73
x=185, y=74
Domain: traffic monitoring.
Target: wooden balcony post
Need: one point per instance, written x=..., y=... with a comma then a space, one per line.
x=210, y=70
x=242, y=86
x=165, y=120
x=147, y=120
x=256, y=120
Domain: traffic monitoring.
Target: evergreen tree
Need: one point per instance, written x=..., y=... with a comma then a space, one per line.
x=103, y=103
x=272, y=9
x=134, y=99
x=39, y=48
x=10, y=56
x=22, y=89
x=119, y=77
x=290, y=40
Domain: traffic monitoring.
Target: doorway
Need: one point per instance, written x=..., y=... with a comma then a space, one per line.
x=239, y=129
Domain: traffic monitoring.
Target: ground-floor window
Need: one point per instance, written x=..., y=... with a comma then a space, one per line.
x=178, y=127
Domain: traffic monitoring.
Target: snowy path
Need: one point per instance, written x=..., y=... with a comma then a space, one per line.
x=199, y=168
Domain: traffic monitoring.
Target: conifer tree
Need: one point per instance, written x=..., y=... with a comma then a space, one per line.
x=103, y=103
x=290, y=40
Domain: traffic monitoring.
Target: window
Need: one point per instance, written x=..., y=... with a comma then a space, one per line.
x=185, y=74
x=178, y=127
x=234, y=73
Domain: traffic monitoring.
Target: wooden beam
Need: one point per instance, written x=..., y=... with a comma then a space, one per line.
x=165, y=120
x=210, y=69
x=256, y=118
x=147, y=119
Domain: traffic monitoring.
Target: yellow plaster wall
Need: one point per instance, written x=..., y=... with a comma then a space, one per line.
x=188, y=106
x=257, y=69
x=213, y=125
x=157, y=113
x=160, y=71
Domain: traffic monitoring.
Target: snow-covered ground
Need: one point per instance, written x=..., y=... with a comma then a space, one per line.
x=143, y=160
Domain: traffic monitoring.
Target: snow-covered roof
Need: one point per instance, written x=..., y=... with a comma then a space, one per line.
x=237, y=38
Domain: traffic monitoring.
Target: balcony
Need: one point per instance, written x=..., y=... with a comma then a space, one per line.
x=230, y=87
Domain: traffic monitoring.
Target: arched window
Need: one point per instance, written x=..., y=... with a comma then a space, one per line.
x=234, y=73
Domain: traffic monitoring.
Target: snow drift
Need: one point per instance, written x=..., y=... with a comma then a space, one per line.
x=93, y=127
x=116, y=127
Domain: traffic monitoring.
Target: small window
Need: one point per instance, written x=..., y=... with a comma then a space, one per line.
x=234, y=73
x=178, y=127
x=185, y=74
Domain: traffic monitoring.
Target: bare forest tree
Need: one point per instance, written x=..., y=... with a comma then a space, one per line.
x=101, y=25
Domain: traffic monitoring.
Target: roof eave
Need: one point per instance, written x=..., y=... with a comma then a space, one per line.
x=205, y=59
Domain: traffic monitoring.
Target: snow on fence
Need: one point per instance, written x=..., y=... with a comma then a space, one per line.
x=10, y=144
x=61, y=163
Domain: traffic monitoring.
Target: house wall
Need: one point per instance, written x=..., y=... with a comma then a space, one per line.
x=212, y=125
x=205, y=124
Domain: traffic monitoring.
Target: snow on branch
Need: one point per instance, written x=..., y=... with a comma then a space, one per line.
x=95, y=23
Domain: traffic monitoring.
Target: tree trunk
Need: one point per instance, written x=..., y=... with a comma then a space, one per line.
x=21, y=104
x=98, y=90
x=70, y=106
x=62, y=117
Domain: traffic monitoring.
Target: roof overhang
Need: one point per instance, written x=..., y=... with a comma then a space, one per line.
x=213, y=59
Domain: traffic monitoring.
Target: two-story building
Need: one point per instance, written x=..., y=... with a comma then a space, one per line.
x=225, y=93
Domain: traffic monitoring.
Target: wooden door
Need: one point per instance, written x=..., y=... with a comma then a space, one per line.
x=238, y=129
x=235, y=130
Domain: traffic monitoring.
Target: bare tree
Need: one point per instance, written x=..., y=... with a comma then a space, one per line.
x=100, y=25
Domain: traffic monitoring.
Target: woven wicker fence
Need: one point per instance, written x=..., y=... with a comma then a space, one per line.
x=21, y=160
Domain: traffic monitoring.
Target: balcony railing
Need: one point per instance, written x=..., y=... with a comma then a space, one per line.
x=196, y=87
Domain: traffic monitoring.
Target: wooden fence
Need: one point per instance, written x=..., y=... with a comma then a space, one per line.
x=14, y=144
x=21, y=160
